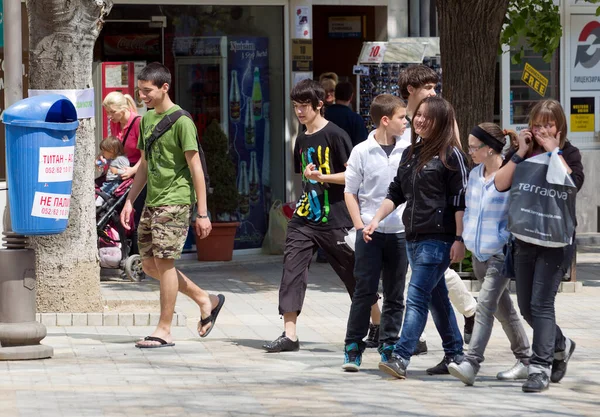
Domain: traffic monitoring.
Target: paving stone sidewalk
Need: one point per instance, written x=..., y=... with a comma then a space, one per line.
x=96, y=371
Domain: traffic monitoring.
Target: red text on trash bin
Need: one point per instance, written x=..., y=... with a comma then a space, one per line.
x=56, y=164
x=51, y=206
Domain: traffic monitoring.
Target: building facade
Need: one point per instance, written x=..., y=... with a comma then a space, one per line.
x=236, y=61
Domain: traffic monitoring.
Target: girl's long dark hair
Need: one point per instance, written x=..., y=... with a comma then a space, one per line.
x=441, y=136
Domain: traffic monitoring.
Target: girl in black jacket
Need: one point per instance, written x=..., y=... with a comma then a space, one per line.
x=539, y=269
x=432, y=179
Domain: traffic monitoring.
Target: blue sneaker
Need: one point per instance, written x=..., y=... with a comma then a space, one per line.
x=352, y=358
x=386, y=352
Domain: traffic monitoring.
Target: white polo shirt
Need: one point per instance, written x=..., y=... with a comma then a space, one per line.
x=369, y=174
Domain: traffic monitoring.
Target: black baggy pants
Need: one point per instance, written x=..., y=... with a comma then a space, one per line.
x=300, y=245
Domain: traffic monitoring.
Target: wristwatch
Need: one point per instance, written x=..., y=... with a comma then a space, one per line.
x=459, y=239
x=517, y=159
x=200, y=216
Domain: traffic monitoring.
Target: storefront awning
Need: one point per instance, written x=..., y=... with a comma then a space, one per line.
x=402, y=50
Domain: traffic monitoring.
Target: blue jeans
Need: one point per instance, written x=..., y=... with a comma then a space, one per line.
x=428, y=260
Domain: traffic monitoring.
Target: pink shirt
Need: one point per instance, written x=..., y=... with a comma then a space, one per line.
x=131, y=151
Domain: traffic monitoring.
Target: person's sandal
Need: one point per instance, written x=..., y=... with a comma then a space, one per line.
x=213, y=316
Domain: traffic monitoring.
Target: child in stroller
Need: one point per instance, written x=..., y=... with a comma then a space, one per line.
x=114, y=242
x=113, y=160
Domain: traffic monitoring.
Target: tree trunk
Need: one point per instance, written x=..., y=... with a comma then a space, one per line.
x=61, y=43
x=469, y=40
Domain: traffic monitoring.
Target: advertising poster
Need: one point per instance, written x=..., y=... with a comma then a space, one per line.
x=249, y=119
x=582, y=114
x=302, y=22
x=585, y=53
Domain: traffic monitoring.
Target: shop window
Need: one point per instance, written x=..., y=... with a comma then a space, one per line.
x=227, y=64
x=532, y=80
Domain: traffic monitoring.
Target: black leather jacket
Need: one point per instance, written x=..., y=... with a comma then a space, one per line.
x=433, y=195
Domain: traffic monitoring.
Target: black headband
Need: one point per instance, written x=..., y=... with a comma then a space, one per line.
x=488, y=139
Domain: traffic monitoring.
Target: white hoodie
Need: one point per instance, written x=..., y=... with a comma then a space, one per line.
x=369, y=174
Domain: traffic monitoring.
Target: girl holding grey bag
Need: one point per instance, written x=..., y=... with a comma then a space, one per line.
x=539, y=269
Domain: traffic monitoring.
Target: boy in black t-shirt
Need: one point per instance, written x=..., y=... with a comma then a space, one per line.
x=321, y=219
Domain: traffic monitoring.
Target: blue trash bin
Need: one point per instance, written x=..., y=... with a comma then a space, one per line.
x=40, y=148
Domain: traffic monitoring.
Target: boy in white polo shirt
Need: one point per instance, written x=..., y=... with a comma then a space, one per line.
x=371, y=168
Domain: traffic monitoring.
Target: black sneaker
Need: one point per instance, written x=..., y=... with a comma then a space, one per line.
x=559, y=366
x=536, y=383
x=468, y=329
x=282, y=344
x=394, y=367
x=372, y=340
x=442, y=367
x=421, y=348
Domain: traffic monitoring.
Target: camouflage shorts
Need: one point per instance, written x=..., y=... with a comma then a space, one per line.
x=162, y=231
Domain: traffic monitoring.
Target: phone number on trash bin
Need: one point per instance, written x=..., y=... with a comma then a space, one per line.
x=58, y=170
x=55, y=212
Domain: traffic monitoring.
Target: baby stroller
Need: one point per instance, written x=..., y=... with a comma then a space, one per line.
x=114, y=242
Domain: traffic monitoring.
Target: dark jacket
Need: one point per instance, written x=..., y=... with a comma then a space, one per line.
x=433, y=195
x=351, y=122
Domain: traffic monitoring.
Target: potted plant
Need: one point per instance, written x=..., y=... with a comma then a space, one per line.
x=222, y=198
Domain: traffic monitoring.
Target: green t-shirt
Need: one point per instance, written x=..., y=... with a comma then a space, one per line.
x=169, y=178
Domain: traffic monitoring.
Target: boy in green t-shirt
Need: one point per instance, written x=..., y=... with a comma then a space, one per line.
x=175, y=178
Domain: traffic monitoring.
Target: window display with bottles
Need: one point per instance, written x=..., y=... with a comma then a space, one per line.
x=227, y=64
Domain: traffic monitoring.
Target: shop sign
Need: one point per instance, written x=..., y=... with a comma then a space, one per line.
x=582, y=114
x=83, y=100
x=585, y=52
x=197, y=46
x=373, y=53
x=302, y=55
x=345, y=26
x=536, y=81
x=132, y=45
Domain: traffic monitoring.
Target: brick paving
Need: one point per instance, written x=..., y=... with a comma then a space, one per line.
x=96, y=371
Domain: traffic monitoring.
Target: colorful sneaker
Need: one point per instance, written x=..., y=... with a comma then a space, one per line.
x=372, y=340
x=352, y=358
x=386, y=352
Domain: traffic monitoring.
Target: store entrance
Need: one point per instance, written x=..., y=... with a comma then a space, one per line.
x=338, y=36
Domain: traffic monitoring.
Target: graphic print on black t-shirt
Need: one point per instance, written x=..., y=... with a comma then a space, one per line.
x=322, y=204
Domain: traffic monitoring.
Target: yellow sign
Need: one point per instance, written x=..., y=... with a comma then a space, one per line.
x=302, y=55
x=535, y=80
x=582, y=114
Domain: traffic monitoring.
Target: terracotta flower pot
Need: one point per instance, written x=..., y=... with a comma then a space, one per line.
x=218, y=246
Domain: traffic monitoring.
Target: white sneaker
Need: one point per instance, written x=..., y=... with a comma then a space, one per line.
x=518, y=371
x=463, y=371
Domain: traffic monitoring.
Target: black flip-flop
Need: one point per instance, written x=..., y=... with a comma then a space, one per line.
x=163, y=343
x=213, y=316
